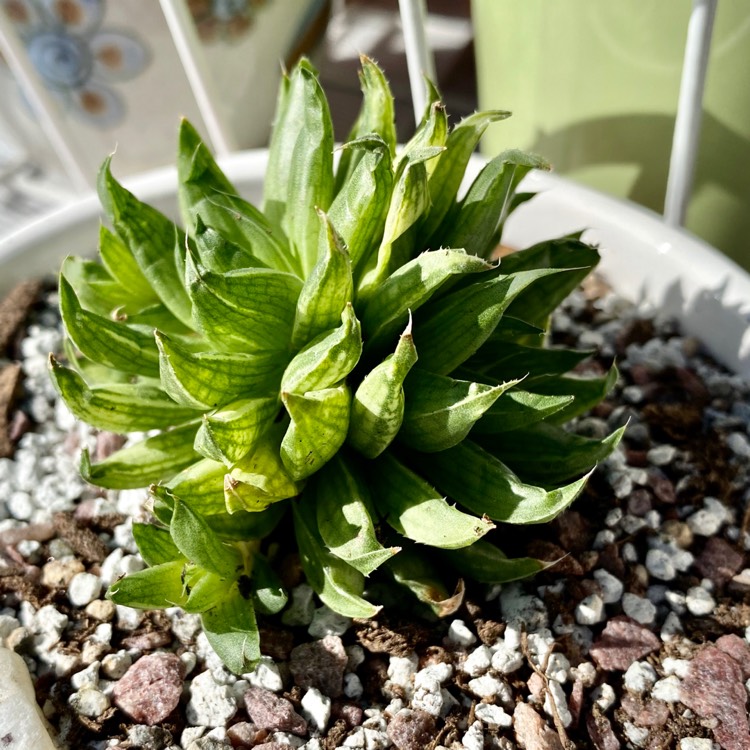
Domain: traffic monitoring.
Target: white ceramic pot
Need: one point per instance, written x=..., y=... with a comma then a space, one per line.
x=644, y=260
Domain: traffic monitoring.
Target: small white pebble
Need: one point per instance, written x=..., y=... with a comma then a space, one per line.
x=556, y=695
x=460, y=634
x=639, y=677
x=611, y=586
x=316, y=708
x=89, y=702
x=477, y=662
x=83, y=589
x=266, y=675
x=327, y=622
x=671, y=628
x=473, y=739
x=699, y=601
x=428, y=694
x=129, y=618
x=629, y=553
x=659, y=564
x=613, y=517
x=353, y=686
x=585, y=672
x=88, y=677
x=640, y=609
x=506, y=660
x=488, y=686
x=558, y=668
x=301, y=607
x=678, y=667
x=667, y=689
x=636, y=735
x=604, y=538
x=442, y=671
x=696, y=743
x=661, y=455
x=653, y=519
x=493, y=716
x=604, y=696
x=590, y=610
x=676, y=601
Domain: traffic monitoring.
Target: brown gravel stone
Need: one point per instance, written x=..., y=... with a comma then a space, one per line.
x=648, y=713
x=320, y=664
x=246, y=733
x=150, y=690
x=714, y=689
x=600, y=732
x=84, y=541
x=719, y=561
x=148, y=641
x=622, y=642
x=272, y=712
x=9, y=379
x=411, y=730
x=573, y=531
x=352, y=714
x=532, y=732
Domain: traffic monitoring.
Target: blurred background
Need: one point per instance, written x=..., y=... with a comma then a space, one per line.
x=593, y=87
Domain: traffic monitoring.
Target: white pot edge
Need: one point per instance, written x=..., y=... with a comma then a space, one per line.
x=646, y=261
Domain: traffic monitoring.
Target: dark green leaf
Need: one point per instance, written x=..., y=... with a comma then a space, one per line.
x=269, y=596
x=485, y=563
x=517, y=409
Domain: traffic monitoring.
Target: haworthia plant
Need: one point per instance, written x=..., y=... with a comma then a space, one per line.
x=349, y=361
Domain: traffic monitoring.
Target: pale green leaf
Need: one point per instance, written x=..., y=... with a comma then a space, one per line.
x=205, y=590
x=415, y=509
x=220, y=255
x=122, y=266
x=201, y=485
x=269, y=596
x=157, y=587
x=155, y=544
x=517, y=409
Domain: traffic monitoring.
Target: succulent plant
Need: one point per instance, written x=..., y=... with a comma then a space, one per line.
x=349, y=362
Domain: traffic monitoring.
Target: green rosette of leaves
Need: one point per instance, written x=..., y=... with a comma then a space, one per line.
x=347, y=360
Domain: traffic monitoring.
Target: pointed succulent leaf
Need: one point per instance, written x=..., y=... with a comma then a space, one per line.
x=94, y=287
x=319, y=421
x=204, y=589
x=157, y=587
x=299, y=176
x=375, y=117
x=118, y=408
x=326, y=291
x=432, y=132
x=115, y=345
x=156, y=244
x=201, y=545
x=201, y=485
x=440, y=411
x=359, y=209
x=378, y=404
x=337, y=583
x=410, y=287
x=473, y=221
x=123, y=267
x=448, y=331
x=211, y=379
x=344, y=513
x=517, y=331
x=549, y=454
x=483, y=484
x=205, y=191
x=153, y=316
x=327, y=359
x=517, y=409
x=585, y=392
x=251, y=309
x=220, y=255
x=575, y=260
x=259, y=479
x=232, y=631
x=269, y=596
x=416, y=510
x=412, y=569
x=158, y=457
x=485, y=563
x=409, y=200
x=231, y=432
x=445, y=180
x=155, y=545
x=507, y=360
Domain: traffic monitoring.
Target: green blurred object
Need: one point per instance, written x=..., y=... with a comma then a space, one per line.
x=594, y=87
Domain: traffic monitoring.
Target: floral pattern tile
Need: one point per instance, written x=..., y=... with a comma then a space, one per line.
x=225, y=20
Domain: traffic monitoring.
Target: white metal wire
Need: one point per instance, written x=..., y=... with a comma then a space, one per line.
x=686, y=137
x=419, y=58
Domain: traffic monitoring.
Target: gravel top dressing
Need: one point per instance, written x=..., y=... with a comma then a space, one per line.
x=637, y=636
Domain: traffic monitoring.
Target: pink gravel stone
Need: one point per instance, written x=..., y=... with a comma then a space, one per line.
x=738, y=649
x=320, y=664
x=270, y=711
x=714, y=689
x=532, y=732
x=719, y=561
x=600, y=732
x=649, y=713
x=411, y=730
x=150, y=690
x=622, y=642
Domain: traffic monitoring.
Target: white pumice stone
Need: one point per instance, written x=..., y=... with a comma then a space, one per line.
x=477, y=662
x=327, y=622
x=316, y=708
x=659, y=564
x=667, y=689
x=604, y=696
x=84, y=588
x=629, y=553
x=506, y=660
x=442, y=671
x=556, y=694
x=401, y=669
x=449, y=702
x=128, y=618
x=676, y=601
x=473, y=739
x=590, y=610
x=489, y=686
x=353, y=686
x=210, y=704
x=493, y=716
x=613, y=517
x=115, y=665
x=699, y=601
x=696, y=743
x=611, y=586
x=108, y=568
x=540, y=643
x=266, y=675
x=631, y=524
x=512, y=636
x=585, y=672
x=653, y=519
x=738, y=443
x=636, y=735
x=48, y=624
x=427, y=694
x=301, y=607
x=521, y=609
x=355, y=656
x=604, y=538
x=459, y=633
x=190, y=735
x=639, y=677
x=558, y=668
x=88, y=677
x=671, y=628
x=640, y=609
x=661, y=455
x=679, y=667
x=89, y=702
